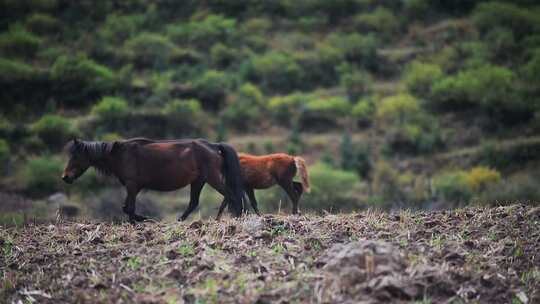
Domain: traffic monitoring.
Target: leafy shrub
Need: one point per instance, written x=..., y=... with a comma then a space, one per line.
x=453, y=187
x=149, y=50
x=386, y=182
x=222, y=55
x=522, y=187
x=41, y=175
x=332, y=189
x=356, y=48
x=522, y=21
x=110, y=109
x=204, y=33
x=211, y=88
x=357, y=83
x=54, y=130
x=398, y=109
x=183, y=116
x=490, y=88
x=381, y=21
x=12, y=71
x=43, y=24
x=333, y=106
x=246, y=108
x=285, y=109
x=531, y=70
x=183, y=108
x=419, y=77
x=407, y=127
x=324, y=112
x=118, y=28
x=479, y=178
x=364, y=110
x=4, y=155
x=502, y=43
x=80, y=79
x=276, y=71
x=19, y=43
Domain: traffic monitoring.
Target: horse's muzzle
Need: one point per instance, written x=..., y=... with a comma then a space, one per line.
x=67, y=179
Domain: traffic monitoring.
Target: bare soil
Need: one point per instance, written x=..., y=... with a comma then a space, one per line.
x=471, y=255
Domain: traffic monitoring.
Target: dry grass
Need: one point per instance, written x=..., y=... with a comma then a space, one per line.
x=468, y=255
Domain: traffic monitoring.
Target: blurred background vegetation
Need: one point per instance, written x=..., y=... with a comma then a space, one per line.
x=395, y=104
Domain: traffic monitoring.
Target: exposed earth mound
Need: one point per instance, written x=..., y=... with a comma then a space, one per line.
x=460, y=256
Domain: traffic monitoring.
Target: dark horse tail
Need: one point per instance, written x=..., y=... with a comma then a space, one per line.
x=233, y=179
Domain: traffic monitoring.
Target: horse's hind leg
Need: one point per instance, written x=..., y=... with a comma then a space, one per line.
x=293, y=195
x=129, y=204
x=221, y=208
x=195, y=192
x=253, y=200
x=299, y=188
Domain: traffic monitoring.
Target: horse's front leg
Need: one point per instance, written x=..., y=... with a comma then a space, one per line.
x=194, y=194
x=129, y=204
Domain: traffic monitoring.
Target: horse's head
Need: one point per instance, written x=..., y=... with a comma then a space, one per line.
x=78, y=161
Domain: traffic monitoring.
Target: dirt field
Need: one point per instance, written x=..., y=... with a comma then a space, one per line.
x=463, y=256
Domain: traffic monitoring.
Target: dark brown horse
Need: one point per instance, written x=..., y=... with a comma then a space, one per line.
x=262, y=172
x=166, y=165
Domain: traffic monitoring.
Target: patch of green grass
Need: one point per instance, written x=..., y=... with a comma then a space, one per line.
x=186, y=250
x=134, y=262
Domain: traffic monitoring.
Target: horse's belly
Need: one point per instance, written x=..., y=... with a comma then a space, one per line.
x=170, y=179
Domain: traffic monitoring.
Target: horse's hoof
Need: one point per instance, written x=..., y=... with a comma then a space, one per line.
x=137, y=218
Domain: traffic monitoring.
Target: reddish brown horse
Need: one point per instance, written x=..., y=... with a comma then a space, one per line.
x=262, y=172
x=167, y=165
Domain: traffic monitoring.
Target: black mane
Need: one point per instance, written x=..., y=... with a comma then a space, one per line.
x=95, y=151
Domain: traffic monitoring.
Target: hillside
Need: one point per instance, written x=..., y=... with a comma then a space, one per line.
x=416, y=104
x=485, y=255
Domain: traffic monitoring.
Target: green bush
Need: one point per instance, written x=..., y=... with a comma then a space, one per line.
x=521, y=20
x=332, y=189
x=531, y=70
x=246, y=108
x=522, y=187
x=18, y=42
x=4, y=155
x=79, y=79
x=43, y=24
x=183, y=117
x=381, y=20
x=398, y=109
x=490, y=88
x=419, y=77
x=502, y=44
x=222, y=55
x=386, y=182
x=204, y=33
x=453, y=187
x=211, y=88
x=276, y=71
x=356, y=48
x=332, y=106
x=285, y=109
x=111, y=108
x=364, y=111
x=41, y=175
x=118, y=28
x=13, y=71
x=54, y=130
x=357, y=83
x=149, y=50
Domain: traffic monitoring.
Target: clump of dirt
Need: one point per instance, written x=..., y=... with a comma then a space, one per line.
x=466, y=255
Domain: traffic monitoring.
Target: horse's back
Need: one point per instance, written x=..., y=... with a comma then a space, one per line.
x=263, y=171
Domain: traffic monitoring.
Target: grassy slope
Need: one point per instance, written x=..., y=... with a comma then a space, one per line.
x=484, y=255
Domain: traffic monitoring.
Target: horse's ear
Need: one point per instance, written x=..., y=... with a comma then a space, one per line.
x=75, y=141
